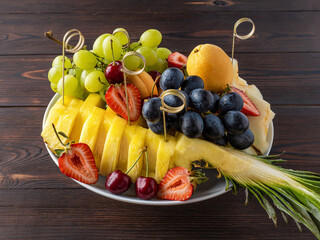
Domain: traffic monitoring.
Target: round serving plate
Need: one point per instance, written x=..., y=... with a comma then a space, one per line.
x=210, y=189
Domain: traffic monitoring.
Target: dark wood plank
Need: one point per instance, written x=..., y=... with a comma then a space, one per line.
x=78, y=213
x=275, y=31
x=25, y=162
x=59, y=6
x=23, y=82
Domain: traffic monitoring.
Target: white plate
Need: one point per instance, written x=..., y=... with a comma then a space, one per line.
x=212, y=188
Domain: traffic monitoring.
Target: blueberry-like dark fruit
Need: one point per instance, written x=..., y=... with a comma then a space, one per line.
x=151, y=110
x=213, y=127
x=221, y=141
x=146, y=187
x=174, y=120
x=191, y=124
x=231, y=102
x=215, y=106
x=191, y=82
x=171, y=78
x=241, y=141
x=157, y=127
x=235, y=122
x=118, y=182
x=175, y=101
x=201, y=100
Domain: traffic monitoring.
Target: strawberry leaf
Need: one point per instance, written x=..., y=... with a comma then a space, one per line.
x=63, y=135
x=59, y=152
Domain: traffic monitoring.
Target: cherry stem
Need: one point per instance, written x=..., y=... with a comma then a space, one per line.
x=111, y=41
x=55, y=131
x=142, y=152
x=147, y=163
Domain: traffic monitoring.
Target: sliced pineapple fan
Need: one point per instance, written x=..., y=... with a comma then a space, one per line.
x=115, y=144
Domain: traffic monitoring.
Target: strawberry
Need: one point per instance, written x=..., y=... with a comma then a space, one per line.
x=78, y=163
x=116, y=100
x=248, y=106
x=177, y=60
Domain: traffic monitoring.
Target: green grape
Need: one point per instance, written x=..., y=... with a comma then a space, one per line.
x=55, y=73
x=121, y=36
x=135, y=45
x=97, y=45
x=132, y=62
x=54, y=87
x=149, y=55
x=163, y=53
x=157, y=66
x=78, y=93
x=151, y=38
x=83, y=76
x=84, y=59
x=117, y=48
x=70, y=85
x=58, y=62
x=76, y=72
x=102, y=93
x=92, y=82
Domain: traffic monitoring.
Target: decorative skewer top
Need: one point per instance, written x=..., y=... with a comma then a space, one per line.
x=242, y=37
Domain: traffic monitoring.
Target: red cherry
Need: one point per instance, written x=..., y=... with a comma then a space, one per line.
x=113, y=72
x=146, y=187
x=118, y=182
x=154, y=74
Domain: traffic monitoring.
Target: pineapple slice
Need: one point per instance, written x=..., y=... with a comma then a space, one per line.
x=165, y=152
x=112, y=144
x=136, y=145
x=63, y=124
x=106, y=121
x=127, y=136
x=152, y=141
x=91, y=127
x=92, y=100
x=140, y=122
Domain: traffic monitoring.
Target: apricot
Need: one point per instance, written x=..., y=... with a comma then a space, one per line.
x=213, y=65
x=144, y=83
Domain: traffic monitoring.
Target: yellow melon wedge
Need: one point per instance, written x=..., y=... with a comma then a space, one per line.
x=106, y=121
x=91, y=128
x=136, y=145
x=165, y=152
x=112, y=144
x=127, y=136
x=92, y=100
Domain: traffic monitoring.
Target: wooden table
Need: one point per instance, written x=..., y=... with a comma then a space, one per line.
x=283, y=60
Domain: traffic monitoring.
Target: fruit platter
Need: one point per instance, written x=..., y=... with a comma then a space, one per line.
x=138, y=123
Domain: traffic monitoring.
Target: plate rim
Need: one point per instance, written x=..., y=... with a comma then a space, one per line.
x=128, y=199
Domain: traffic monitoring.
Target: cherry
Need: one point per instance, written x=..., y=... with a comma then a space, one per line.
x=146, y=187
x=154, y=74
x=113, y=72
x=118, y=182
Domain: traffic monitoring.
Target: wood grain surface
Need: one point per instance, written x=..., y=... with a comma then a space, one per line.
x=283, y=60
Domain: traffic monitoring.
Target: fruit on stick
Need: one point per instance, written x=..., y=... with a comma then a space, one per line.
x=177, y=60
x=113, y=72
x=112, y=48
x=76, y=160
x=144, y=83
x=213, y=65
x=116, y=100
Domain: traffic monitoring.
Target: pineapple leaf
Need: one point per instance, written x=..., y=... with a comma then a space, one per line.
x=59, y=152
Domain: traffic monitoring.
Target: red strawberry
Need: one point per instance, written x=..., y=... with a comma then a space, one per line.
x=177, y=60
x=176, y=185
x=78, y=163
x=248, y=106
x=116, y=99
